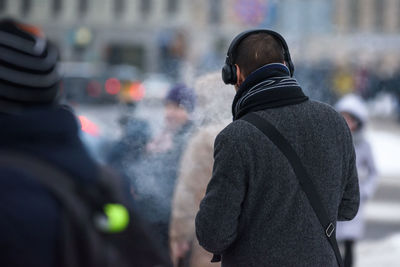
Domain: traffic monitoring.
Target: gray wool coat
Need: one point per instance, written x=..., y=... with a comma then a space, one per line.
x=254, y=212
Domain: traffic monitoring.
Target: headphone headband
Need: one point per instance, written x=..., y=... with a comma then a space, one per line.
x=229, y=70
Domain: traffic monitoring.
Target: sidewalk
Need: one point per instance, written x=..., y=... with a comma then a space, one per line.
x=385, y=253
x=381, y=246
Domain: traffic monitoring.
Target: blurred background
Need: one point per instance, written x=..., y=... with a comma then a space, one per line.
x=122, y=56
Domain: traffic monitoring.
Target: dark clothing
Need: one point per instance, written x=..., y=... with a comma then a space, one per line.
x=267, y=87
x=29, y=214
x=130, y=148
x=348, y=253
x=156, y=176
x=255, y=212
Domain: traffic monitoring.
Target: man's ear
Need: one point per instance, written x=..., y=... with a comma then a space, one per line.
x=239, y=75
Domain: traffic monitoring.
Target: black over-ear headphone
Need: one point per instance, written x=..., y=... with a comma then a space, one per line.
x=229, y=70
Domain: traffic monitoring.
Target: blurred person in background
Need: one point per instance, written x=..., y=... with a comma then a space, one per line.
x=343, y=80
x=212, y=115
x=355, y=113
x=45, y=170
x=156, y=173
x=129, y=149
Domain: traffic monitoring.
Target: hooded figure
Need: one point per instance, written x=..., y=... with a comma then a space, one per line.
x=212, y=114
x=356, y=114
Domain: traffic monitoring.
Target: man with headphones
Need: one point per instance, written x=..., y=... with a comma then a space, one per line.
x=284, y=169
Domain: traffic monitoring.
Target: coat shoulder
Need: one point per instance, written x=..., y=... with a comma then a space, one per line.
x=235, y=131
x=325, y=109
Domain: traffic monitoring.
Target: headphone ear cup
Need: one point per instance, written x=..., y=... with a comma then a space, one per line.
x=229, y=74
x=291, y=68
x=234, y=76
x=289, y=62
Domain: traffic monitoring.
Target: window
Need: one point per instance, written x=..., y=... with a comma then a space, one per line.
x=172, y=6
x=57, y=6
x=398, y=18
x=83, y=7
x=26, y=6
x=145, y=6
x=3, y=5
x=354, y=15
x=134, y=54
x=119, y=6
x=316, y=16
x=215, y=9
x=379, y=7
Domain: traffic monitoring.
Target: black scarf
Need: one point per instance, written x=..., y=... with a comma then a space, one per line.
x=268, y=87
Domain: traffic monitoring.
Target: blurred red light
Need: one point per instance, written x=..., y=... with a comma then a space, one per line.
x=113, y=86
x=137, y=91
x=88, y=126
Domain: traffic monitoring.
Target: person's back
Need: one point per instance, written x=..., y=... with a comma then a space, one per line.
x=31, y=218
x=255, y=213
x=277, y=225
x=58, y=208
x=33, y=125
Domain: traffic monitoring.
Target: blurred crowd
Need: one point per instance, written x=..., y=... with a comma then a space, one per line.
x=165, y=170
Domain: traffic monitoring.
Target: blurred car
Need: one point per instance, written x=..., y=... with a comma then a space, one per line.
x=82, y=82
x=124, y=81
x=90, y=83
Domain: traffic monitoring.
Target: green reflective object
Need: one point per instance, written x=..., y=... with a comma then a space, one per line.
x=118, y=217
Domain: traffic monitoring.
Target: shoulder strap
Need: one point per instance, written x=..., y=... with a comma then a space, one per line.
x=305, y=182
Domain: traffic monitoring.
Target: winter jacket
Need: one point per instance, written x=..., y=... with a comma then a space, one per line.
x=195, y=173
x=30, y=216
x=366, y=169
x=367, y=176
x=255, y=212
x=129, y=148
x=212, y=115
x=155, y=183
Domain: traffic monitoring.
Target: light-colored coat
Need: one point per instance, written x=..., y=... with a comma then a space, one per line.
x=196, y=165
x=367, y=176
x=196, y=170
x=367, y=173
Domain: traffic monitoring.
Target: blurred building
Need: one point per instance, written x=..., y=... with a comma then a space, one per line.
x=372, y=30
x=170, y=35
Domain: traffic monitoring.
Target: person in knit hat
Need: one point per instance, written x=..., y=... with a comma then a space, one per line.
x=33, y=125
x=182, y=96
x=179, y=104
x=39, y=139
x=355, y=113
x=29, y=74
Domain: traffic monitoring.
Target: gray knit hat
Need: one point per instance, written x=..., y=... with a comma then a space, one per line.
x=29, y=73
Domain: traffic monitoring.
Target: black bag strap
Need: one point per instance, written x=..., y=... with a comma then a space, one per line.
x=305, y=182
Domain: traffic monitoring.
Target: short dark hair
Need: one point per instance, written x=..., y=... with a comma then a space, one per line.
x=257, y=50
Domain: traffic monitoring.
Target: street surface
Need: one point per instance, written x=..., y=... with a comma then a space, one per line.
x=381, y=246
